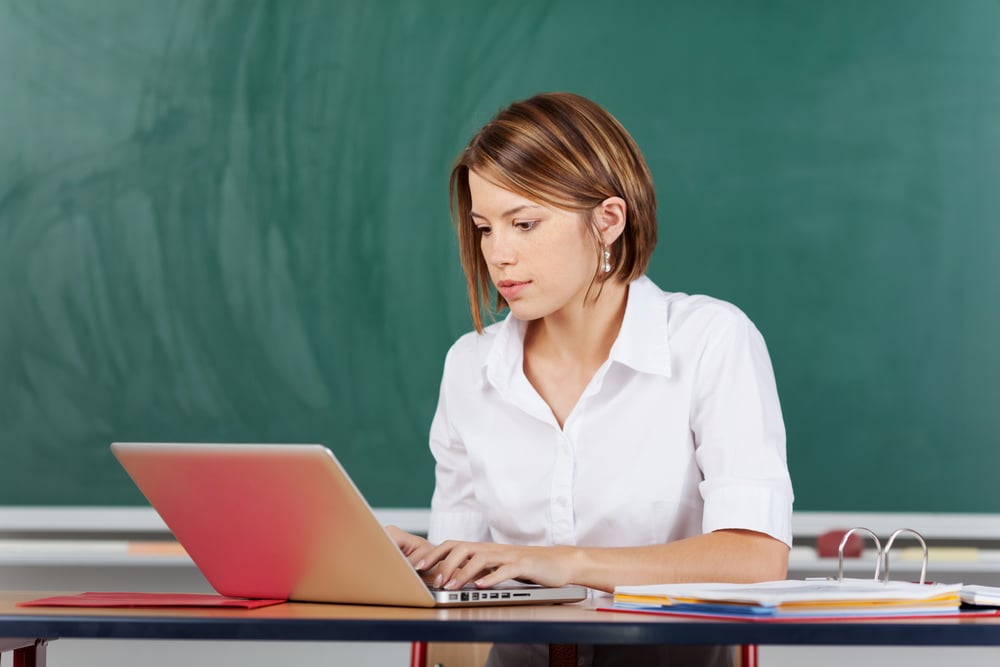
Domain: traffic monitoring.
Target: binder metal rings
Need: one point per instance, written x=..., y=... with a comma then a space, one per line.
x=881, y=555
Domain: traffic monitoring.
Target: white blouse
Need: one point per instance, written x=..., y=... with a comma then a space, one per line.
x=678, y=433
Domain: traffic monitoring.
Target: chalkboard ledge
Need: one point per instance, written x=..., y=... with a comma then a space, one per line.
x=942, y=526
x=39, y=522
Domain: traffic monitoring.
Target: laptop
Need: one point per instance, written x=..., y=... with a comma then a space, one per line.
x=286, y=522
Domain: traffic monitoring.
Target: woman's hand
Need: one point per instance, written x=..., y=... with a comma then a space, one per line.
x=486, y=564
x=414, y=547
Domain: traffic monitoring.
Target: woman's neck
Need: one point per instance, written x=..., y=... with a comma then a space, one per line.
x=562, y=352
x=583, y=334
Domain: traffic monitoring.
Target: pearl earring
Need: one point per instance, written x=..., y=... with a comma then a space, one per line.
x=607, y=260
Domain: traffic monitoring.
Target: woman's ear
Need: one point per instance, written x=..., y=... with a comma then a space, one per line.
x=611, y=216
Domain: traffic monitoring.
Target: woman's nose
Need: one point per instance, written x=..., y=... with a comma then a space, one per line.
x=498, y=251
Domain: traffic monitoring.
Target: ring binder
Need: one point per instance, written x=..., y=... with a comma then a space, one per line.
x=827, y=599
x=881, y=555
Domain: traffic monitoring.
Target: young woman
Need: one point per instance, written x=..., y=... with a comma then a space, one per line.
x=604, y=432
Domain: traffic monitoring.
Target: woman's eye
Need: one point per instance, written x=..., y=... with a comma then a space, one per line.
x=484, y=230
x=525, y=225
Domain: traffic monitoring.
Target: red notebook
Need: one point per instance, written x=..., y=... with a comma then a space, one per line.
x=147, y=600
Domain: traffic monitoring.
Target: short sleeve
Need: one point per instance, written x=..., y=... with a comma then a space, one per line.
x=455, y=512
x=739, y=432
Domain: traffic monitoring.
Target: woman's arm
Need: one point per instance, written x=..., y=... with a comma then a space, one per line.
x=721, y=556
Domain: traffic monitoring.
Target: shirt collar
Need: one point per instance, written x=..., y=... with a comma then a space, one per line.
x=642, y=343
x=506, y=355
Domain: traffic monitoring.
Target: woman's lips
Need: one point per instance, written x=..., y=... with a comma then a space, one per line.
x=509, y=289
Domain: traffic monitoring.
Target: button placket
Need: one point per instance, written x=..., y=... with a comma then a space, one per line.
x=561, y=499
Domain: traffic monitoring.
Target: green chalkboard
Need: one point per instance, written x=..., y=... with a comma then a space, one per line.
x=227, y=221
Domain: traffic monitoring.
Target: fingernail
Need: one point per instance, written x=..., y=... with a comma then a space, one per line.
x=437, y=581
x=450, y=585
x=419, y=566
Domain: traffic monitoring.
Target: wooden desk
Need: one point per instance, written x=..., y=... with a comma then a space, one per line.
x=561, y=624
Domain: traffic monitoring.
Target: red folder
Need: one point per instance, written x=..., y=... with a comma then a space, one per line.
x=147, y=600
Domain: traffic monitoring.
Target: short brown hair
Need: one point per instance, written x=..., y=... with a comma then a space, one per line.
x=561, y=150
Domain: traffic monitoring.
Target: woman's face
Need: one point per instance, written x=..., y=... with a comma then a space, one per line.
x=541, y=259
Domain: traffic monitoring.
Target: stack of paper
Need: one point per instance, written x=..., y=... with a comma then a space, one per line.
x=793, y=599
x=983, y=596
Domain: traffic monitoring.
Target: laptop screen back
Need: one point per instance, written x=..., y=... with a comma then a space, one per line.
x=273, y=521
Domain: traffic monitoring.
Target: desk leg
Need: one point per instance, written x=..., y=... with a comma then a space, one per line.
x=562, y=655
x=31, y=656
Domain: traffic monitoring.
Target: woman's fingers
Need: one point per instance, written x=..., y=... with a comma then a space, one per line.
x=450, y=560
x=486, y=564
x=414, y=547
